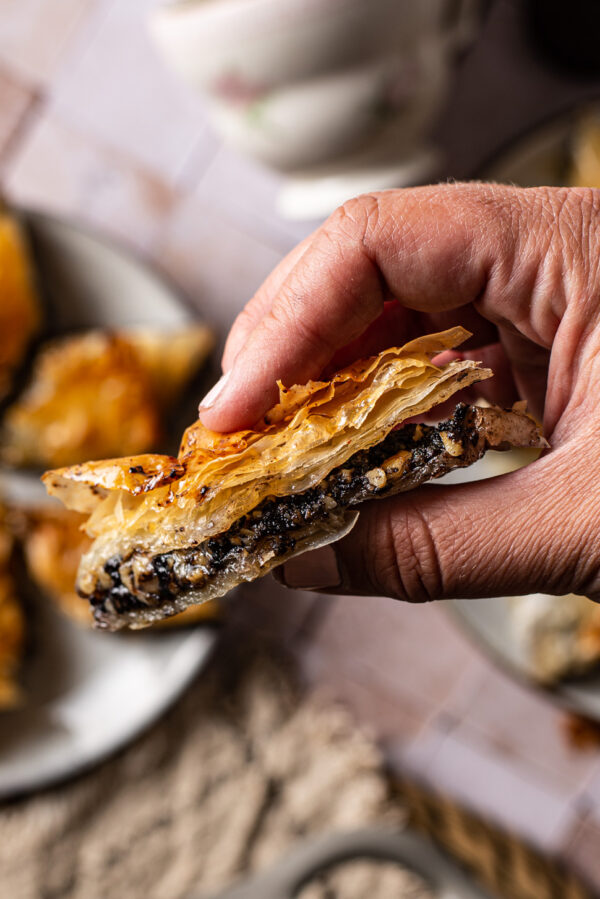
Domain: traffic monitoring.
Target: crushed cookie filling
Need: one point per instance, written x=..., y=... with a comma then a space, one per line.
x=140, y=580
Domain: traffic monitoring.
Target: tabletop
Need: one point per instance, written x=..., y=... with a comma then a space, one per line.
x=94, y=127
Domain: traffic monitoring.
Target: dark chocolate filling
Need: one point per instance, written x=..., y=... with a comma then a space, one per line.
x=271, y=526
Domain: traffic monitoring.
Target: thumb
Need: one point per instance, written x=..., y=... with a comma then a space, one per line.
x=507, y=535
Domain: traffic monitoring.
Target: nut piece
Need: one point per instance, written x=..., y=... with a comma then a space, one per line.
x=377, y=478
x=452, y=447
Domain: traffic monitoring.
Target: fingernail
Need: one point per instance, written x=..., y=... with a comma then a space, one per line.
x=316, y=570
x=215, y=392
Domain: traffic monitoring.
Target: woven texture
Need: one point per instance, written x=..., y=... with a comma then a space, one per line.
x=223, y=786
x=506, y=866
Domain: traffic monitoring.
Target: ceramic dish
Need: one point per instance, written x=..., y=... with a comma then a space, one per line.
x=88, y=693
x=439, y=873
x=488, y=622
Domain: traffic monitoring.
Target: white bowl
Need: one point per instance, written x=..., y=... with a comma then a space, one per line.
x=296, y=82
x=268, y=43
x=88, y=693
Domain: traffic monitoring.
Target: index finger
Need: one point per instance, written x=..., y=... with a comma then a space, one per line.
x=260, y=304
x=327, y=299
x=434, y=249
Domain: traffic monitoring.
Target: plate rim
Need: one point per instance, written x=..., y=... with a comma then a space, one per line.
x=66, y=774
x=553, y=692
x=568, y=108
x=118, y=244
x=29, y=216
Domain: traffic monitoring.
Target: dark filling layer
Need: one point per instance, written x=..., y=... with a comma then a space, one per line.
x=270, y=527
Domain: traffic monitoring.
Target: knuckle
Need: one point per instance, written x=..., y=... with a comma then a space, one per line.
x=379, y=559
x=496, y=214
x=418, y=557
x=401, y=556
x=566, y=528
x=577, y=216
x=582, y=576
x=355, y=219
x=559, y=227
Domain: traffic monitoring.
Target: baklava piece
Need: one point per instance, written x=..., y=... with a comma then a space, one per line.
x=100, y=394
x=171, y=532
x=53, y=543
x=559, y=636
x=20, y=308
x=12, y=624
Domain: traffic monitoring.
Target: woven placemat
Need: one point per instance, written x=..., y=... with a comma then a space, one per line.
x=241, y=769
x=499, y=860
x=223, y=786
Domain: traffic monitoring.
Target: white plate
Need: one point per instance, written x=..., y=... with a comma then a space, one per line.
x=89, y=692
x=488, y=622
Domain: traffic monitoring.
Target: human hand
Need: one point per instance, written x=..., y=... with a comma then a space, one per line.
x=519, y=268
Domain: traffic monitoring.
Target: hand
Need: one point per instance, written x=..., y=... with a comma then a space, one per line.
x=520, y=269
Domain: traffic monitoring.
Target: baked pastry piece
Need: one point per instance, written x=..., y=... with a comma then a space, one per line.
x=12, y=624
x=558, y=635
x=100, y=394
x=53, y=543
x=585, y=149
x=175, y=531
x=20, y=309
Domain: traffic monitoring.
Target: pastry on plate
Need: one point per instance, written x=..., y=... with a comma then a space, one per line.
x=559, y=635
x=100, y=394
x=20, y=309
x=12, y=624
x=53, y=543
x=585, y=140
x=171, y=532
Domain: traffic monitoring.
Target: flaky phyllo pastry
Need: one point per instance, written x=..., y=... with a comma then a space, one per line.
x=12, y=623
x=170, y=532
x=53, y=544
x=20, y=309
x=95, y=394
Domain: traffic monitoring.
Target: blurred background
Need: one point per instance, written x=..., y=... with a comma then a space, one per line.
x=204, y=139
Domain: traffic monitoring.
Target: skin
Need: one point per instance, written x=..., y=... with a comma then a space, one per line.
x=520, y=269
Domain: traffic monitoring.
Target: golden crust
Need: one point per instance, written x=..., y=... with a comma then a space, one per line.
x=99, y=394
x=20, y=311
x=12, y=624
x=164, y=504
x=88, y=397
x=12, y=639
x=171, y=360
x=154, y=518
x=312, y=429
x=53, y=544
